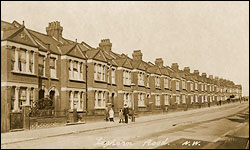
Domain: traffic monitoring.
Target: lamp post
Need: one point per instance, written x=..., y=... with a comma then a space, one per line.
x=133, y=102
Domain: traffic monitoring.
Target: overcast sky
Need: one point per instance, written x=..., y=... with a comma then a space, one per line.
x=212, y=37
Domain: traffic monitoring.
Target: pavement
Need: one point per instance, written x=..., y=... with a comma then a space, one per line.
x=29, y=135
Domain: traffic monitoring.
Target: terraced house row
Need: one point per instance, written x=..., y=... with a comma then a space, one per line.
x=77, y=76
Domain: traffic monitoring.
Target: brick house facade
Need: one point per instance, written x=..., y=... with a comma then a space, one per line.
x=76, y=76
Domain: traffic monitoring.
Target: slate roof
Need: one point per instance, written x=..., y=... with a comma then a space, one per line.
x=44, y=42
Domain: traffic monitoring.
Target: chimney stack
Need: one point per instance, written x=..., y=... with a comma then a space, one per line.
x=105, y=45
x=196, y=72
x=187, y=69
x=204, y=75
x=175, y=66
x=54, y=29
x=137, y=55
x=159, y=62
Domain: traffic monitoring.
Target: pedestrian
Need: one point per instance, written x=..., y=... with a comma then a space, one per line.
x=121, y=118
x=111, y=115
x=106, y=114
x=125, y=113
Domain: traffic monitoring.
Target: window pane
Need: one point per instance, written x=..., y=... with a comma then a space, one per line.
x=52, y=63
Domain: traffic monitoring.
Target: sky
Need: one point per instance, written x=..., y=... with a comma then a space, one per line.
x=211, y=37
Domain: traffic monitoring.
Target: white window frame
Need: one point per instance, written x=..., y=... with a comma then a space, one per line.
x=177, y=85
x=183, y=85
x=157, y=81
x=141, y=78
x=177, y=99
x=141, y=102
x=100, y=95
x=157, y=101
x=53, y=72
x=166, y=100
x=184, y=99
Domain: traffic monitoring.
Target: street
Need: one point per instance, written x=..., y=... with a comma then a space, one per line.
x=204, y=128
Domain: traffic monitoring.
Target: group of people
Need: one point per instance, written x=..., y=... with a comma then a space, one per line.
x=123, y=114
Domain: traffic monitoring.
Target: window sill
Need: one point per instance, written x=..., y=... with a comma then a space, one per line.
x=100, y=81
x=99, y=108
x=141, y=85
x=24, y=73
x=142, y=106
x=77, y=80
x=158, y=88
x=71, y=110
x=43, y=77
x=16, y=111
x=127, y=85
x=157, y=107
x=53, y=78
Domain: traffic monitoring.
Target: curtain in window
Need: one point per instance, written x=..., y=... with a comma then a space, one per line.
x=52, y=63
x=31, y=61
x=99, y=99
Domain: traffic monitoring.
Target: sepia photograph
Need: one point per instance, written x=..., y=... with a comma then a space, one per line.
x=124, y=74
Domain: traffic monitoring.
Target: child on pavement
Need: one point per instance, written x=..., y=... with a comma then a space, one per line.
x=111, y=115
x=121, y=120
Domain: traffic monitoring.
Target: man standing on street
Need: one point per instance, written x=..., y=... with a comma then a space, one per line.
x=125, y=113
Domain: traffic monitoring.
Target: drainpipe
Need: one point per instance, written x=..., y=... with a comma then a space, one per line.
x=86, y=78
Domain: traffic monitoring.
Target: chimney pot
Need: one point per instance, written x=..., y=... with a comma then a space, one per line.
x=54, y=29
